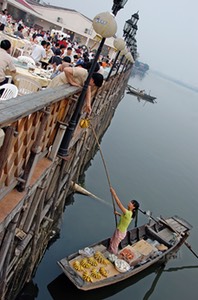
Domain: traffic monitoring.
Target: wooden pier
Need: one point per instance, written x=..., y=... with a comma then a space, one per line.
x=34, y=180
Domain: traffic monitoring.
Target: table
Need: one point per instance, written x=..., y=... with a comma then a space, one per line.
x=15, y=42
x=42, y=78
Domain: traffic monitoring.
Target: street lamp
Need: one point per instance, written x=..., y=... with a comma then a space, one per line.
x=105, y=25
x=135, y=18
x=129, y=60
x=117, y=5
x=122, y=54
x=127, y=27
x=129, y=32
x=119, y=44
x=127, y=57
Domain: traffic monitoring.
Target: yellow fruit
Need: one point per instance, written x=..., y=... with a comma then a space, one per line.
x=92, y=261
x=87, y=277
x=84, y=123
x=85, y=264
x=95, y=273
x=77, y=266
x=103, y=272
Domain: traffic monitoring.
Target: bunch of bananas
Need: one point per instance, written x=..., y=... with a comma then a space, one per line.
x=84, y=123
x=100, y=258
x=95, y=274
x=87, y=277
x=77, y=266
x=85, y=264
x=103, y=272
x=92, y=261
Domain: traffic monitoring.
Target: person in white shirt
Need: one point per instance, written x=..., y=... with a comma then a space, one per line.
x=39, y=52
x=69, y=52
x=3, y=20
x=6, y=61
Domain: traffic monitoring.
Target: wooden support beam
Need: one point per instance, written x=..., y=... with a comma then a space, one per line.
x=33, y=209
x=35, y=151
x=5, y=149
x=57, y=141
x=6, y=252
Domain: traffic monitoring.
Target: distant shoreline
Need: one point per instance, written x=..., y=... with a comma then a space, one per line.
x=186, y=85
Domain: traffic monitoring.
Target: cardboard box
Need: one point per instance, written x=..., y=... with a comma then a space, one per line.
x=136, y=256
x=144, y=248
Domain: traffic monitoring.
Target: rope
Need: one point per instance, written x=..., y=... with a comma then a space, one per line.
x=106, y=171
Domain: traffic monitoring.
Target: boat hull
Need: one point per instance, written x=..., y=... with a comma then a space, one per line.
x=140, y=94
x=146, y=232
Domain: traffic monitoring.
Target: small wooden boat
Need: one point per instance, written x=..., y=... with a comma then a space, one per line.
x=140, y=93
x=152, y=243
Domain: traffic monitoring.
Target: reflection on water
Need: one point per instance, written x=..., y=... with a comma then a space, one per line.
x=62, y=286
x=151, y=155
x=30, y=292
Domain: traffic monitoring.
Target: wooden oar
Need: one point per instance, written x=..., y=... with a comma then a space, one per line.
x=179, y=234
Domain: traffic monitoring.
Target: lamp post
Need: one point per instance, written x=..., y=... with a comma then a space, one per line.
x=122, y=54
x=105, y=25
x=119, y=44
x=127, y=57
x=129, y=31
x=129, y=61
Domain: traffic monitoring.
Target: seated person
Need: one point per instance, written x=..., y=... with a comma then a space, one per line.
x=6, y=61
x=38, y=52
x=56, y=58
x=19, y=32
x=75, y=59
x=62, y=50
x=49, y=54
x=76, y=76
x=57, y=63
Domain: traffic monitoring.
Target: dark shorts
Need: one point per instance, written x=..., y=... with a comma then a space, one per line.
x=2, y=27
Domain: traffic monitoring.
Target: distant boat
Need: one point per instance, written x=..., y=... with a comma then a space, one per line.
x=140, y=93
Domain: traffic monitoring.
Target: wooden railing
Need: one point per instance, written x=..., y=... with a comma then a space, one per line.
x=34, y=126
x=30, y=124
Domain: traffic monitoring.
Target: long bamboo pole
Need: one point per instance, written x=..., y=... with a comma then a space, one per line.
x=106, y=171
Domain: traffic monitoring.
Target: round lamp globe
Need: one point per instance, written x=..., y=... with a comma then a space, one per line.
x=105, y=25
x=119, y=44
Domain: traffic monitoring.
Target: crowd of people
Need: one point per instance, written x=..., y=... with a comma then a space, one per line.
x=68, y=60
x=51, y=46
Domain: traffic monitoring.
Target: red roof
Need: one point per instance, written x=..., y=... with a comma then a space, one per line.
x=23, y=2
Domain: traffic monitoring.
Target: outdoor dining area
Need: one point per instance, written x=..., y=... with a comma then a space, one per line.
x=28, y=77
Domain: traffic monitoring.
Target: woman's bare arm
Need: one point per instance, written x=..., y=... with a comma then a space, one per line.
x=122, y=208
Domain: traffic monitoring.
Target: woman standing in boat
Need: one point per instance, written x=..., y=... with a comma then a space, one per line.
x=125, y=220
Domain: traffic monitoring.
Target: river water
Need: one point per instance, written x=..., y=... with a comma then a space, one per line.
x=151, y=152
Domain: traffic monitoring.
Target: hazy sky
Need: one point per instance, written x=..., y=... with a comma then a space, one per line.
x=167, y=32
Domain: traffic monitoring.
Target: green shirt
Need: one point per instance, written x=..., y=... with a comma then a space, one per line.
x=125, y=220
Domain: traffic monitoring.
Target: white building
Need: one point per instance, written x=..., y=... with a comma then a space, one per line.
x=48, y=17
